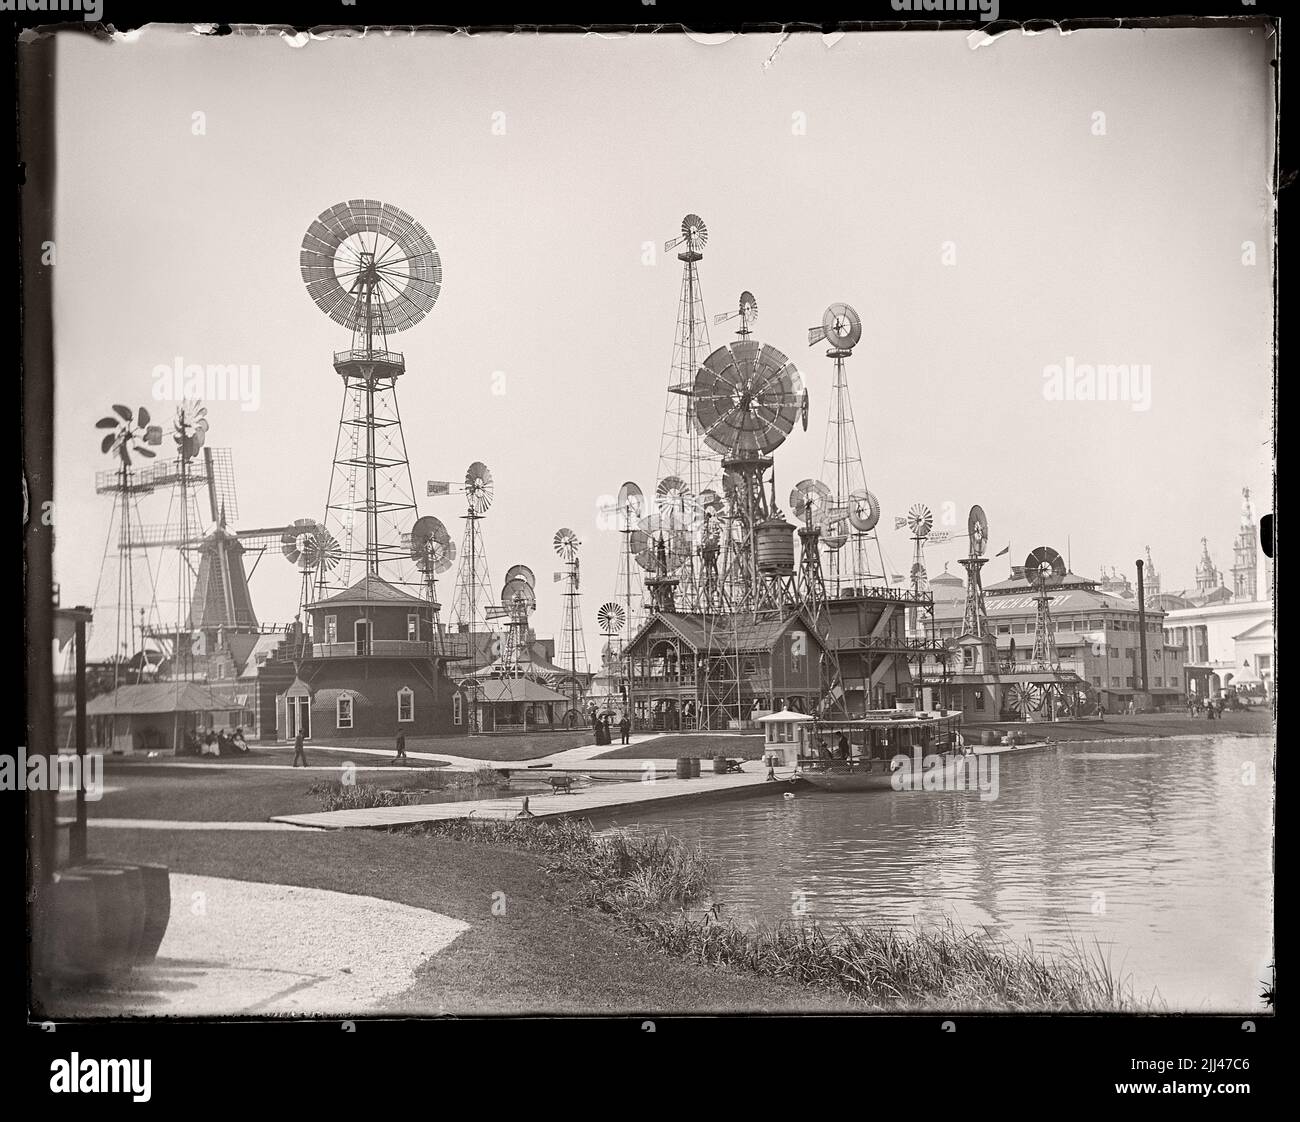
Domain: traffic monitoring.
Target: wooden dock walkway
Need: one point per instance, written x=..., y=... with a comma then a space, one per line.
x=600, y=800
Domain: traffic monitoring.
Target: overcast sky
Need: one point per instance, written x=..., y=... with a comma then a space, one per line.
x=1075, y=238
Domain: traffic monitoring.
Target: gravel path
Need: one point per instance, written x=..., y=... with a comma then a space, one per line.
x=245, y=948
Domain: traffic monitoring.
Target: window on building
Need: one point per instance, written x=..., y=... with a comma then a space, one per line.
x=1017, y=629
x=343, y=712
x=413, y=628
x=979, y=699
x=457, y=713
x=1129, y=682
x=331, y=629
x=1159, y=680
x=1128, y=652
x=1263, y=662
x=1096, y=679
x=968, y=658
x=1004, y=629
x=405, y=704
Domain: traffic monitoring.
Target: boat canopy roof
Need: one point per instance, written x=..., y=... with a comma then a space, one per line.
x=784, y=715
x=883, y=720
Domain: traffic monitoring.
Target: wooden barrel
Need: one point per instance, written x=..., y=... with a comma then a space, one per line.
x=695, y=767
x=719, y=765
x=119, y=904
x=69, y=945
x=683, y=767
x=156, y=885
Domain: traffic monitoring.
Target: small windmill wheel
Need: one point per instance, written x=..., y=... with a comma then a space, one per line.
x=920, y=520
x=566, y=544
x=132, y=434
x=478, y=487
x=190, y=427
x=432, y=549
x=810, y=500
x=694, y=235
x=612, y=617
x=864, y=511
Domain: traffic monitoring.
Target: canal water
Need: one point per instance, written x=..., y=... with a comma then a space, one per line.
x=1160, y=851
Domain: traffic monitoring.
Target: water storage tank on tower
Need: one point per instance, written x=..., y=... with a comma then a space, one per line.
x=774, y=545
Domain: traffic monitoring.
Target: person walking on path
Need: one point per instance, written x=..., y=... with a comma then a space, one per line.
x=624, y=728
x=401, y=747
x=299, y=752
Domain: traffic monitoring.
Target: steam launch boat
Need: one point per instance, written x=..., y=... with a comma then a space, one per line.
x=886, y=750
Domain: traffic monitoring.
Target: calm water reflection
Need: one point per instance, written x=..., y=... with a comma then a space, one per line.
x=1156, y=849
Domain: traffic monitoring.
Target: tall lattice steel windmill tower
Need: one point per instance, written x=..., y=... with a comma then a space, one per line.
x=572, y=654
x=132, y=436
x=628, y=510
x=853, y=511
x=473, y=592
x=684, y=459
x=374, y=270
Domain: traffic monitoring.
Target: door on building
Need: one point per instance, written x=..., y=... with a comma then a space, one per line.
x=363, y=636
x=297, y=715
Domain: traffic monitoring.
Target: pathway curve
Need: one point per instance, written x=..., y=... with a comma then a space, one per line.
x=246, y=948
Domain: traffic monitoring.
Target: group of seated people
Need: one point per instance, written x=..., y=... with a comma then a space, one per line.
x=209, y=742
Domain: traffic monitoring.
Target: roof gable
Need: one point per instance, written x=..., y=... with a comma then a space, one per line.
x=369, y=589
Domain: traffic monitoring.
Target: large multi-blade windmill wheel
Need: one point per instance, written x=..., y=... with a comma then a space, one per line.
x=371, y=267
x=1025, y=698
x=748, y=396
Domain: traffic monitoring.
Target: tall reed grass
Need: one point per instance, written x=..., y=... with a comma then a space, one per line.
x=649, y=880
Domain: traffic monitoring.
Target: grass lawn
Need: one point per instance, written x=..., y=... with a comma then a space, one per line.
x=541, y=956
x=704, y=745
x=523, y=746
x=332, y=755
x=235, y=794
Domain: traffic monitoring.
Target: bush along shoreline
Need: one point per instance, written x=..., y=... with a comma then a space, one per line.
x=656, y=886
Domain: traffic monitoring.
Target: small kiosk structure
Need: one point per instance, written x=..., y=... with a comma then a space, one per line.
x=785, y=737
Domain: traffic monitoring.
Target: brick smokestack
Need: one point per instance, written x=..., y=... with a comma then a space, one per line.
x=1142, y=629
